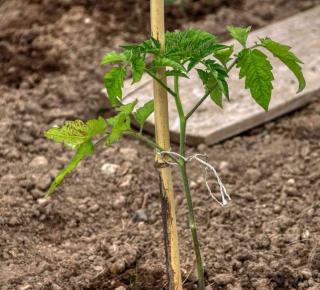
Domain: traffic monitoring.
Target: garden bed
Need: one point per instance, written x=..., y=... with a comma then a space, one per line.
x=102, y=228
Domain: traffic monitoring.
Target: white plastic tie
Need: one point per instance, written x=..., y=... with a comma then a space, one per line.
x=225, y=197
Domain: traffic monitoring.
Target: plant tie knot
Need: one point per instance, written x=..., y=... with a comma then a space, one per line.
x=202, y=159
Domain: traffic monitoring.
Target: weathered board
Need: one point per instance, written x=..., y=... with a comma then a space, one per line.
x=210, y=124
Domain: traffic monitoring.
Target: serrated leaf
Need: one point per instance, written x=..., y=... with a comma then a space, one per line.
x=142, y=114
x=211, y=85
x=188, y=43
x=212, y=66
x=191, y=45
x=120, y=123
x=166, y=62
x=173, y=73
x=138, y=66
x=113, y=81
x=240, y=34
x=257, y=71
x=112, y=57
x=224, y=54
x=85, y=149
x=127, y=108
x=96, y=126
x=283, y=53
x=200, y=56
x=218, y=76
x=75, y=133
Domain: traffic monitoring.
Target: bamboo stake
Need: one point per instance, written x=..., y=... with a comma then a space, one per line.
x=163, y=140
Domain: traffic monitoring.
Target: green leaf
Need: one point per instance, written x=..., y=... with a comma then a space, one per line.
x=138, y=67
x=113, y=57
x=127, y=108
x=257, y=71
x=164, y=62
x=85, y=149
x=142, y=114
x=75, y=133
x=211, y=85
x=172, y=73
x=283, y=53
x=113, y=81
x=191, y=45
x=148, y=46
x=217, y=78
x=96, y=126
x=120, y=123
x=240, y=34
x=224, y=54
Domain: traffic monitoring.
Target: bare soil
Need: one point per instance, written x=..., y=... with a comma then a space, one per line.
x=102, y=228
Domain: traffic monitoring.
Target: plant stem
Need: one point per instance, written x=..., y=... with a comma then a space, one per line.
x=145, y=139
x=183, y=172
x=171, y=92
x=199, y=103
x=207, y=93
x=149, y=142
x=193, y=227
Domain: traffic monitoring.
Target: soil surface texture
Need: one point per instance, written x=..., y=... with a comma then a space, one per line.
x=102, y=228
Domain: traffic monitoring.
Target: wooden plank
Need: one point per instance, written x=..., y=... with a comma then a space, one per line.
x=210, y=124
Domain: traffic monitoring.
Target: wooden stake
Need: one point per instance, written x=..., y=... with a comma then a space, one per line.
x=163, y=140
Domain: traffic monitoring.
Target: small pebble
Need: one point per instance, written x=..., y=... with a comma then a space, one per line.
x=94, y=208
x=8, y=178
x=140, y=216
x=118, y=267
x=202, y=147
x=306, y=274
x=223, y=279
x=110, y=169
x=119, y=202
x=43, y=201
x=55, y=287
x=291, y=181
x=252, y=175
x=39, y=161
x=129, y=153
x=43, y=182
x=291, y=191
x=13, y=221
x=193, y=185
x=223, y=166
x=126, y=181
x=25, y=287
x=277, y=209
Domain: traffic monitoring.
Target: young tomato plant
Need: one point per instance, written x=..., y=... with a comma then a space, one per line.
x=183, y=51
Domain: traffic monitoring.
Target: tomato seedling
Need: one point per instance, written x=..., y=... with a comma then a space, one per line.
x=183, y=52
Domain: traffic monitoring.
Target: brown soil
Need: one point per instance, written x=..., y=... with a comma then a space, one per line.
x=103, y=232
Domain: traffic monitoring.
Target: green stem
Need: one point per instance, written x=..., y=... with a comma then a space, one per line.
x=171, y=92
x=145, y=139
x=200, y=102
x=183, y=172
x=193, y=227
x=208, y=93
x=149, y=142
